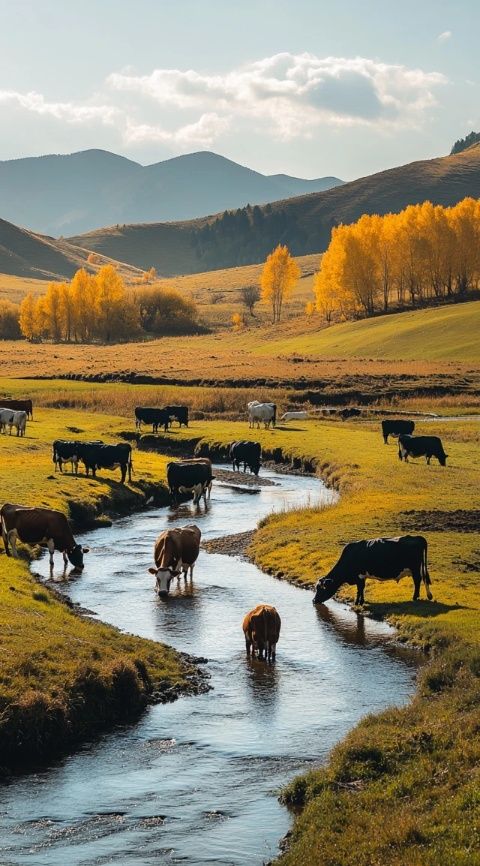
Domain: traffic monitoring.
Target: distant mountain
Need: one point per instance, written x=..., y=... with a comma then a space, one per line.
x=73, y=193
x=304, y=223
x=27, y=254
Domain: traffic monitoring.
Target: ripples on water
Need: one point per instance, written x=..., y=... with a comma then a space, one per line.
x=195, y=781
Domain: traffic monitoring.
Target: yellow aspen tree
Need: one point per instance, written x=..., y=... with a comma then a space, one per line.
x=27, y=317
x=66, y=310
x=83, y=297
x=279, y=276
x=117, y=317
x=52, y=306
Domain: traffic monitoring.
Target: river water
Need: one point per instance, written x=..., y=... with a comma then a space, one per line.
x=196, y=781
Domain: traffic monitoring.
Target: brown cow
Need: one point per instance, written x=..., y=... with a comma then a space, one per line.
x=261, y=628
x=175, y=551
x=40, y=526
x=18, y=405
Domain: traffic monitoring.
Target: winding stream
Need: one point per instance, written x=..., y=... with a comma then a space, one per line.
x=195, y=781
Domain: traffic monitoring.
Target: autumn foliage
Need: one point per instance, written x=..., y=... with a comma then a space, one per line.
x=425, y=252
x=279, y=276
x=100, y=308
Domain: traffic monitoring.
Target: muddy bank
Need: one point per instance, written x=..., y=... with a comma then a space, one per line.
x=232, y=545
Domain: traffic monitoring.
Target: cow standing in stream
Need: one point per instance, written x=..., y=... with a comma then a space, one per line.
x=261, y=627
x=248, y=453
x=193, y=476
x=175, y=552
x=381, y=559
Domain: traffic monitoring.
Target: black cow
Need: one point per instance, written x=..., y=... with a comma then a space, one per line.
x=192, y=476
x=248, y=453
x=18, y=406
x=67, y=451
x=396, y=427
x=151, y=415
x=380, y=558
x=96, y=456
x=421, y=446
x=178, y=413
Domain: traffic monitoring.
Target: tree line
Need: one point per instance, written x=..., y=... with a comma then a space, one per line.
x=400, y=260
x=100, y=308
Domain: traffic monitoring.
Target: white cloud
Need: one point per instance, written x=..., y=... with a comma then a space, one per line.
x=285, y=96
x=445, y=36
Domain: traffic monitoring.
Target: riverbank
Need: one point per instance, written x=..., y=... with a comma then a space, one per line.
x=402, y=788
x=66, y=678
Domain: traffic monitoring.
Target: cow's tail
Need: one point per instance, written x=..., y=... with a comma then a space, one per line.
x=424, y=571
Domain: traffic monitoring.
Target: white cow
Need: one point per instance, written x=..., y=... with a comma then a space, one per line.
x=11, y=418
x=295, y=416
x=257, y=412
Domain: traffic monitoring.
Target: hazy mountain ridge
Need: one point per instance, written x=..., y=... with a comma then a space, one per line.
x=304, y=223
x=74, y=193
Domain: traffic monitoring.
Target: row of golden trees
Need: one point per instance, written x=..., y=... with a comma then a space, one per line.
x=426, y=251
x=99, y=307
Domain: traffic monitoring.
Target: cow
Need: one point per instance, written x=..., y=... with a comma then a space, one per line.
x=295, y=416
x=98, y=456
x=40, y=526
x=178, y=413
x=13, y=418
x=257, y=412
x=349, y=412
x=261, y=627
x=395, y=427
x=248, y=453
x=18, y=405
x=151, y=415
x=69, y=451
x=421, y=446
x=381, y=559
x=175, y=551
x=192, y=476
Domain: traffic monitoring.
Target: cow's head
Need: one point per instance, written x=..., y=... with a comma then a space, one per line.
x=442, y=458
x=255, y=466
x=324, y=590
x=164, y=577
x=75, y=556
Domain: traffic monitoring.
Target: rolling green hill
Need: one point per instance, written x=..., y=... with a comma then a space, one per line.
x=447, y=333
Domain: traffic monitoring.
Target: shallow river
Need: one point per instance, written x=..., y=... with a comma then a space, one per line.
x=195, y=781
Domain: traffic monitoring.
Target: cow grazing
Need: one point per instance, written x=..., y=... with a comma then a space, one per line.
x=18, y=406
x=381, y=559
x=178, y=413
x=151, y=415
x=421, y=446
x=192, y=476
x=395, y=427
x=40, y=526
x=248, y=453
x=96, y=456
x=175, y=552
x=67, y=451
x=258, y=412
x=295, y=416
x=13, y=418
x=261, y=628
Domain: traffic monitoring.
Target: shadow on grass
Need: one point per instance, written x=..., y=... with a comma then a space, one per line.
x=424, y=609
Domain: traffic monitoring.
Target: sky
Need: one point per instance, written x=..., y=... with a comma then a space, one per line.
x=304, y=87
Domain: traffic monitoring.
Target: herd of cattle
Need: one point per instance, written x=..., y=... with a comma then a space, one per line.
x=176, y=550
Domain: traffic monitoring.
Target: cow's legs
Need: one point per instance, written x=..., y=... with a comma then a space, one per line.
x=65, y=559
x=248, y=645
x=428, y=457
x=5, y=540
x=51, y=549
x=360, y=599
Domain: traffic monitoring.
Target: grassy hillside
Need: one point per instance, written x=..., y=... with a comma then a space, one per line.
x=26, y=254
x=304, y=223
x=450, y=332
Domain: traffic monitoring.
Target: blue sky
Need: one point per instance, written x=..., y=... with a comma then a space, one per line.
x=298, y=86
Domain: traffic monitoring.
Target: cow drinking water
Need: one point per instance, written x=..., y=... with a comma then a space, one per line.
x=248, y=453
x=261, y=628
x=175, y=552
x=193, y=476
x=381, y=559
x=40, y=526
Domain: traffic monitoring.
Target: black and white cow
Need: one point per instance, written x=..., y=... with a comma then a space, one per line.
x=192, y=477
x=395, y=427
x=178, y=413
x=381, y=559
x=151, y=415
x=95, y=456
x=248, y=453
x=421, y=446
x=69, y=451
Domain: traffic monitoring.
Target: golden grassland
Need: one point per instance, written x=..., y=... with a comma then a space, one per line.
x=63, y=677
x=403, y=787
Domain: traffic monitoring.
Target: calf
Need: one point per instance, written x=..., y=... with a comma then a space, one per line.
x=294, y=416
x=40, y=526
x=176, y=551
x=421, y=446
x=261, y=628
